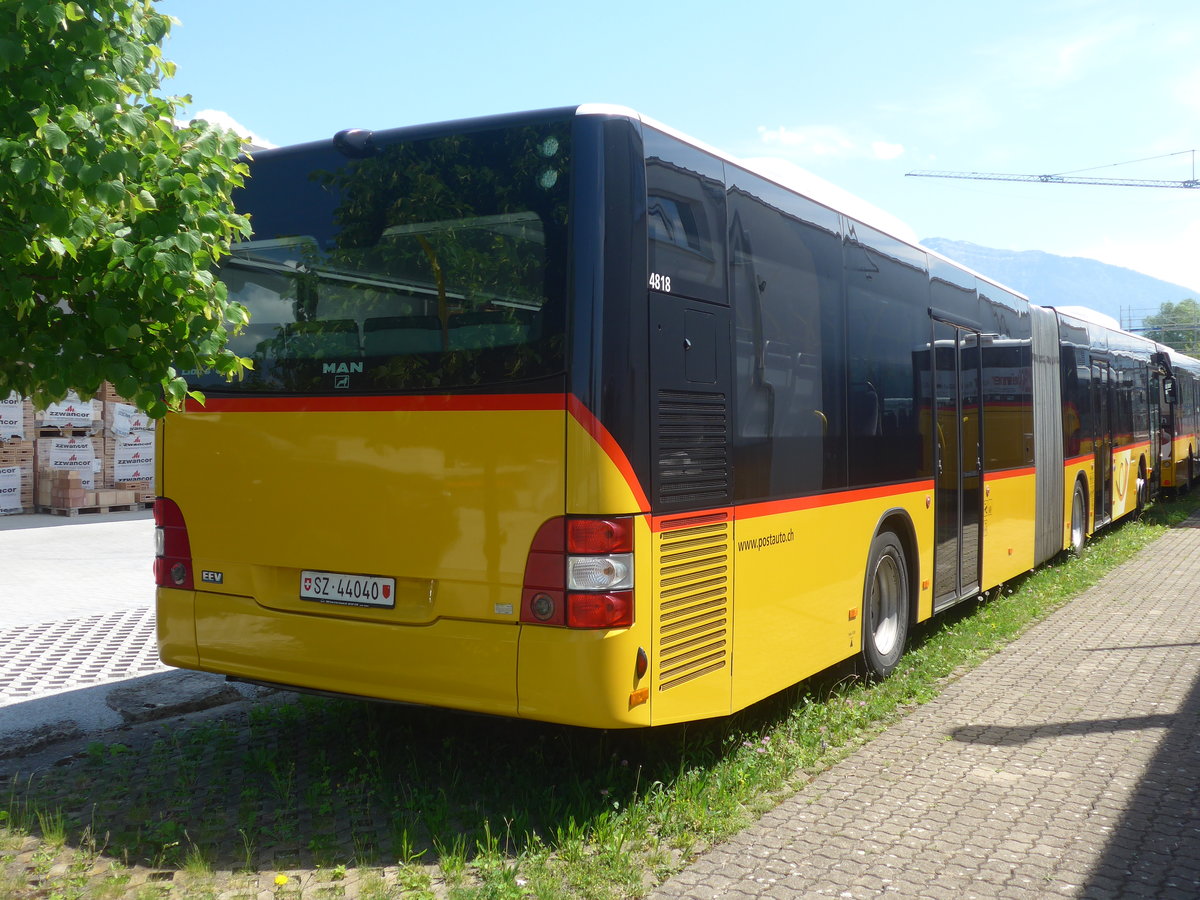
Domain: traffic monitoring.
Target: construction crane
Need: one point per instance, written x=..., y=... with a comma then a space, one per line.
x=1072, y=177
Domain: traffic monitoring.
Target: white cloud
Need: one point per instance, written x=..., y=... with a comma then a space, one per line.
x=225, y=120
x=826, y=142
x=885, y=150
x=813, y=141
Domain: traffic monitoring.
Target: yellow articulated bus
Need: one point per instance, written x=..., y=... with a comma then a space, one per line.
x=563, y=416
x=1180, y=452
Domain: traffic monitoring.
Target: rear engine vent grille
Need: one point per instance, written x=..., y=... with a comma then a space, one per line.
x=693, y=586
x=693, y=439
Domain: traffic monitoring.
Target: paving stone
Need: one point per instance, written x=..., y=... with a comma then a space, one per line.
x=87, y=651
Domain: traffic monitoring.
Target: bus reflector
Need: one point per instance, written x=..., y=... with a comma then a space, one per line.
x=579, y=574
x=173, y=551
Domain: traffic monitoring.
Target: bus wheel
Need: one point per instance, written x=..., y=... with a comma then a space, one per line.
x=1078, y=518
x=1143, y=489
x=885, y=606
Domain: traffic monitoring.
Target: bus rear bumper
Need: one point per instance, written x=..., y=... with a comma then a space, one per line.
x=571, y=677
x=440, y=664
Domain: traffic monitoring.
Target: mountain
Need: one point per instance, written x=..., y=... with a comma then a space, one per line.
x=1051, y=280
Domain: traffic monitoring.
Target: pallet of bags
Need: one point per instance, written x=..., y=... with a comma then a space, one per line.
x=17, y=432
x=72, y=417
x=16, y=420
x=128, y=451
x=16, y=477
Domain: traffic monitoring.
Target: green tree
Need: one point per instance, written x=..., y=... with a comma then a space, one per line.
x=113, y=213
x=1177, y=325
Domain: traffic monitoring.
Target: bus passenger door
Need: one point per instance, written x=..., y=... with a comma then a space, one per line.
x=958, y=493
x=1154, y=426
x=1102, y=441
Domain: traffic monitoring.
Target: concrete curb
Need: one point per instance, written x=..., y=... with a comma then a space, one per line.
x=54, y=721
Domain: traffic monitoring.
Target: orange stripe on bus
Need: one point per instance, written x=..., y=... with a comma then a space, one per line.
x=430, y=403
x=595, y=428
x=1009, y=473
x=796, y=504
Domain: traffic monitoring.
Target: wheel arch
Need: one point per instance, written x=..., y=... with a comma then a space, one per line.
x=899, y=523
x=1081, y=480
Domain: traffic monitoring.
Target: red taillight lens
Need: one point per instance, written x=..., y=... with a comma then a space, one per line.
x=173, y=551
x=543, y=593
x=579, y=573
x=599, y=535
x=614, y=610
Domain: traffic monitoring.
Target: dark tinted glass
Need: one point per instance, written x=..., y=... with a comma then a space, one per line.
x=685, y=216
x=1074, y=360
x=435, y=264
x=887, y=341
x=786, y=261
x=1007, y=346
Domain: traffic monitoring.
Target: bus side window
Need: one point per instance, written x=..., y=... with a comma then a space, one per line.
x=785, y=279
x=685, y=215
x=887, y=318
x=866, y=419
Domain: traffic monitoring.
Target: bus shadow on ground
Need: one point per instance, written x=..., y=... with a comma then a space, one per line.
x=1156, y=845
x=304, y=782
x=307, y=782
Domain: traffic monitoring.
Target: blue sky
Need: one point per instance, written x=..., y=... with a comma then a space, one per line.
x=856, y=93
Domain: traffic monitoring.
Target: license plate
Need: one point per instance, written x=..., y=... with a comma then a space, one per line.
x=348, y=590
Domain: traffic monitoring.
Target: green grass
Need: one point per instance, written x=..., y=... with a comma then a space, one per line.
x=380, y=801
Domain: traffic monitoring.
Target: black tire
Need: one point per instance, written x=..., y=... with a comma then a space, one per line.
x=1143, y=489
x=1078, y=518
x=885, y=606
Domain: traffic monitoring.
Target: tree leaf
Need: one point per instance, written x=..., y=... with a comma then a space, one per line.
x=25, y=169
x=55, y=137
x=110, y=192
x=10, y=53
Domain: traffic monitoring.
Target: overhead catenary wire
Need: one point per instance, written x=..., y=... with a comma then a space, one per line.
x=1071, y=177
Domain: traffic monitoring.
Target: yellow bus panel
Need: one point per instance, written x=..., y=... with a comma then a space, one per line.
x=1008, y=525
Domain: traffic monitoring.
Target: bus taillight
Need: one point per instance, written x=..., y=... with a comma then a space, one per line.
x=173, y=551
x=611, y=610
x=579, y=573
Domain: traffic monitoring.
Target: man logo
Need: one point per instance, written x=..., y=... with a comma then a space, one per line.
x=340, y=368
x=342, y=381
